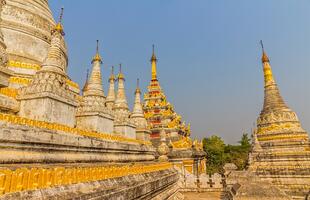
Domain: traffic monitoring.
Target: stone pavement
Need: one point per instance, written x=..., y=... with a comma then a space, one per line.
x=202, y=196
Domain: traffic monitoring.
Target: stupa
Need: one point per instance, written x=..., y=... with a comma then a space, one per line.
x=281, y=151
x=160, y=113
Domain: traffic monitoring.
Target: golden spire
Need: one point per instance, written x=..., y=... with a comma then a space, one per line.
x=272, y=100
x=59, y=27
x=154, y=61
x=264, y=56
x=97, y=57
x=269, y=80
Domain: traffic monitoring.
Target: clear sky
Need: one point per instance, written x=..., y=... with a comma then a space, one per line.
x=209, y=54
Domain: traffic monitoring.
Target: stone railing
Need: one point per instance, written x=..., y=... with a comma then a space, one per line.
x=10, y=92
x=23, y=179
x=13, y=119
x=207, y=182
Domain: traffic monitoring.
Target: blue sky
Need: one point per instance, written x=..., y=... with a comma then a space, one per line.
x=209, y=54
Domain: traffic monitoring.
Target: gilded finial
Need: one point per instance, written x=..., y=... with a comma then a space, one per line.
x=153, y=54
x=61, y=15
x=120, y=75
x=264, y=57
x=153, y=62
x=59, y=27
x=97, y=57
x=138, y=87
x=112, y=74
x=97, y=47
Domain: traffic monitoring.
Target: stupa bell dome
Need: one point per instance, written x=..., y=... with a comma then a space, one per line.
x=26, y=26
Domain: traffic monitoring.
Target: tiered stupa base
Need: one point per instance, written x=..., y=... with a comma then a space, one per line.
x=286, y=165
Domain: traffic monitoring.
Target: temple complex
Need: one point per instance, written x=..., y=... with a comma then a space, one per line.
x=281, y=150
x=60, y=142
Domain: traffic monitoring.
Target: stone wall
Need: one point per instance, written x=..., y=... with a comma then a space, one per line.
x=96, y=122
x=51, y=109
x=22, y=144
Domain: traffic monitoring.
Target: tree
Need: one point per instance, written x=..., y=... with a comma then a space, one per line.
x=239, y=154
x=214, y=147
x=218, y=153
x=245, y=141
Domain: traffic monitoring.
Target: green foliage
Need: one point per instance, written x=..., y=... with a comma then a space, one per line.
x=214, y=146
x=218, y=153
x=245, y=141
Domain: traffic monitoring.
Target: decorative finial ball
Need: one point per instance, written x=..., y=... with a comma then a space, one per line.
x=163, y=151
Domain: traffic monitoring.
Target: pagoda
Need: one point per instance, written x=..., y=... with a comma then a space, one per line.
x=281, y=151
x=160, y=113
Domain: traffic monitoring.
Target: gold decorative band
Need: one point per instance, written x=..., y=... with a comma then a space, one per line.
x=10, y=92
x=283, y=137
x=23, y=65
x=23, y=179
x=26, y=81
x=19, y=80
x=73, y=84
x=277, y=127
x=13, y=119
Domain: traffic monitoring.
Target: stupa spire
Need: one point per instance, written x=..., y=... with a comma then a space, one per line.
x=94, y=85
x=273, y=100
x=97, y=57
x=137, y=109
x=153, y=62
x=59, y=26
x=93, y=105
x=121, y=100
x=53, y=61
x=86, y=81
x=111, y=93
x=138, y=118
x=268, y=76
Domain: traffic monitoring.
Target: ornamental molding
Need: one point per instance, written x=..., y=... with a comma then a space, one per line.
x=23, y=65
x=24, y=179
x=13, y=119
x=28, y=18
x=275, y=117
